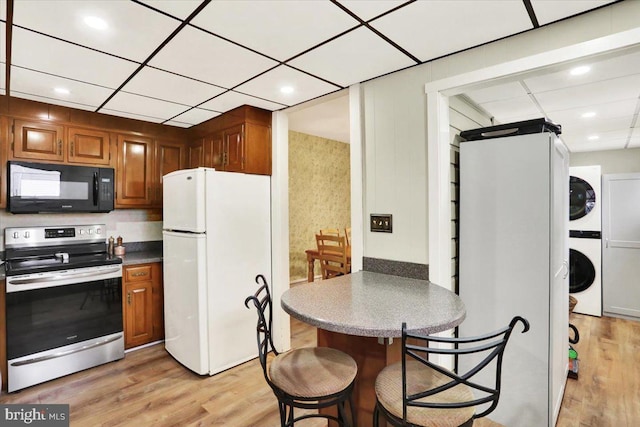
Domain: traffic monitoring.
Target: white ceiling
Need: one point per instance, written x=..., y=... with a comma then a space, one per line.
x=609, y=91
x=181, y=62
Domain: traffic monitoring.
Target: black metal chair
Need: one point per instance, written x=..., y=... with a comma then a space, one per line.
x=307, y=378
x=417, y=392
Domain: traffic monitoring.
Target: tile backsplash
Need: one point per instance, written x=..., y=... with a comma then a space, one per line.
x=131, y=224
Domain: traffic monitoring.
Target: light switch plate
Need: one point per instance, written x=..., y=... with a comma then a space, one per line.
x=381, y=223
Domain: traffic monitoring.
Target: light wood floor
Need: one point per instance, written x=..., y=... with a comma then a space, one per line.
x=149, y=388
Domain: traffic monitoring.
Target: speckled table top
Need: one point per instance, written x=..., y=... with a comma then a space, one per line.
x=374, y=305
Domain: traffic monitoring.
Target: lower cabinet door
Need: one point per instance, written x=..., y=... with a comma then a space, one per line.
x=138, y=314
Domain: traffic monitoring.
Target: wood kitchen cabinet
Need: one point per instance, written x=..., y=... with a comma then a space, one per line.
x=57, y=143
x=88, y=146
x=38, y=141
x=142, y=304
x=169, y=157
x=134, y=171
x=141, y=164
x=237, y=141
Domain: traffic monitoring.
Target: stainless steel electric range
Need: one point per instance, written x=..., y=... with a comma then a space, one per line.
x=64, y=302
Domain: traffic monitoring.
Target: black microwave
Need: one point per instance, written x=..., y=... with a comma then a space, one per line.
x=42, y=187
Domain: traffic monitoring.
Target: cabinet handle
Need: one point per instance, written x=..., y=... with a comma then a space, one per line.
x=59, y=147
x=129, y=297
x=71, y=148
x=138, y=274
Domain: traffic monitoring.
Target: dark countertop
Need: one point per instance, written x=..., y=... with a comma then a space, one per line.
x=141, y=257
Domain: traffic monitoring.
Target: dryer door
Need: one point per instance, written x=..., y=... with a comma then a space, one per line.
x=582, y=273
x=582, y=198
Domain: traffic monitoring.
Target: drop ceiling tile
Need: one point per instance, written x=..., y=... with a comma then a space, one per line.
x=603, y=70
x=430, y=29
x=179, y=8
x=513, y=109
x=590, y=94
x=606, y=112
x=497, y=93
x=178, y=124
x=3, y=45
x=141, y=105
x=549, y=11
x=268, y=85
x=3, y=80
x=170, y=87
x=42, y=85
x=131, y=115
x=354, y=57
x=194, y=53
x=367, y=10
x=230, y=100
x=195, y=116
x=41, y=53
x=46, y=100
x=278, y=28
x=133, y=32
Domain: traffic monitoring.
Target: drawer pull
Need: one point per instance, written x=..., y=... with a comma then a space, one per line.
x=138, y=274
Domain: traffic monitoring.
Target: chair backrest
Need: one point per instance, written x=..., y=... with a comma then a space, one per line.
x=332, y=252
x=347, y=235
x=330, y=231
x=262, y=302
x=490, y=347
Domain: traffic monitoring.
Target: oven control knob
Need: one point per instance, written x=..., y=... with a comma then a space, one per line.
x=16, y=234
x=27, y=234
x=98, y=230
x=81, y=231
x=90, y=231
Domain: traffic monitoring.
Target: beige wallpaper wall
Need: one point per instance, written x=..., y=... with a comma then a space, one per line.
x=319, y=194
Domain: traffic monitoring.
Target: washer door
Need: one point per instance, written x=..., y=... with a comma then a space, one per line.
x=582, y=273
x=582, y=198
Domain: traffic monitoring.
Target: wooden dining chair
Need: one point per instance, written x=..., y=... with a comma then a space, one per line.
x=418, y=392
x=307, y=378
x=332, y=253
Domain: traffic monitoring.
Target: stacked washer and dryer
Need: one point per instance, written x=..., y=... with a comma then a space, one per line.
x=585, y=229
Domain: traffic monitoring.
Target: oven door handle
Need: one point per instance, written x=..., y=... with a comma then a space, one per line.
x=59, y=277
x=66, y=352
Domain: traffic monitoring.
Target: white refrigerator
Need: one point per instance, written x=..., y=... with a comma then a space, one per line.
x=514, y=218
x=216, y=239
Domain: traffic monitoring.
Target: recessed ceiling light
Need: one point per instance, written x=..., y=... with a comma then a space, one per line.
x=593, y=137
x=578, y=71
x=96, y=23
x=61, y=91
x=588, y=114
x=286, y=89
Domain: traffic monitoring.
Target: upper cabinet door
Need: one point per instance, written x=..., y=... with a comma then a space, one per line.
x=170, y=156
x=196, y=154
x=134, y=177
x=39, y=141
x=234, y=149
x=216, y=142
x=88, y=146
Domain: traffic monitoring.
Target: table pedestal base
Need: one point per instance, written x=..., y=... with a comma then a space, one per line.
x=371, y=357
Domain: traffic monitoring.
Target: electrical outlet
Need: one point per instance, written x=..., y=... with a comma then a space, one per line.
x=381, y=223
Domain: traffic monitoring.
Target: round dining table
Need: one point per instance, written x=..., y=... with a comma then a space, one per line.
x=361, y=314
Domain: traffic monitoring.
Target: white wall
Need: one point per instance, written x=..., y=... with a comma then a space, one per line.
x=395, y=173
x=395, y=110
x=611, y=161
